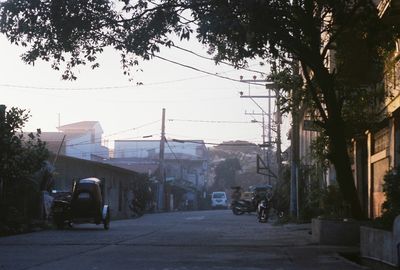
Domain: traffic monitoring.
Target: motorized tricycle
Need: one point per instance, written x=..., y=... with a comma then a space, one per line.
x=85, y=204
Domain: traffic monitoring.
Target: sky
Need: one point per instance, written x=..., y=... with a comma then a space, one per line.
x=198, y=105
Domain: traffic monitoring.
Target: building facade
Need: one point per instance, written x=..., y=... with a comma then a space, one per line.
x=80, y=140
x=185, y=167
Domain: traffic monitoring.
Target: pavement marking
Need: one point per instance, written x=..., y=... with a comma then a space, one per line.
x=195, y=218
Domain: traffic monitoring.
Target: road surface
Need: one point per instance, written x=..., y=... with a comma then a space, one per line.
x=179, y=240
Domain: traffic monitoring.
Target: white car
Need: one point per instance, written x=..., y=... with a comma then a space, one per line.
x=219, y=200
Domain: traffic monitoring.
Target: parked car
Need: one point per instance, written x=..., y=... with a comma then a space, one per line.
x=219, y=200
x=84, y=205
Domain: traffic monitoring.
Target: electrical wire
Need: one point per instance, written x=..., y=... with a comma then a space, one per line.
x=200, y=142
x=206, y=72
x=115, y=133
x=210, y=121
x=171, y=149
x=209, y=58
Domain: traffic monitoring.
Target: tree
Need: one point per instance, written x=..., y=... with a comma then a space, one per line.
x=20, y=158
x=76, y=31
x=225, y=173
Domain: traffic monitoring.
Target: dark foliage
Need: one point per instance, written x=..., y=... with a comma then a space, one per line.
x=20, y=158
x=225, y=174
x=391, y=205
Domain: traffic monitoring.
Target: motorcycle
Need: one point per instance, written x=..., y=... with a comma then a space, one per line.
x=240, y=207
x=263, y=209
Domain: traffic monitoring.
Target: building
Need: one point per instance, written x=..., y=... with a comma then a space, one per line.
x=378, y=151
x=81, y=140
x=185, y=165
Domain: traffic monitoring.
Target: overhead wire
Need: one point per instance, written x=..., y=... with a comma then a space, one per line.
x=205, y=72
x=210, y=121
x=209, y=58
x=200, y=142
x=87, y=142
x=171, y=149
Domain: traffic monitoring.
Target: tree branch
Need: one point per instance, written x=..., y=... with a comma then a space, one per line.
x=313, y=91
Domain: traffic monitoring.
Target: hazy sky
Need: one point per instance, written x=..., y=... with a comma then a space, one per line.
x=128, y=111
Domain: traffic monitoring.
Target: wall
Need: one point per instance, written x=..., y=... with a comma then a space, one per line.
x=119, y=182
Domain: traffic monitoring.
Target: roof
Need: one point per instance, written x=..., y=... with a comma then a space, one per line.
x=83, y=125
x=58, y=136
x=133, y=165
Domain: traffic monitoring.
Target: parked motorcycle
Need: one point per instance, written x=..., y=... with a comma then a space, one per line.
x=263, y=208
x=240, y=207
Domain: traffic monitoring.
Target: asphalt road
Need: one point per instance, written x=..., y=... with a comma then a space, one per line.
x=180, y=240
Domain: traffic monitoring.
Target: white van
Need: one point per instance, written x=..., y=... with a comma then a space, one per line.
x=219, y=200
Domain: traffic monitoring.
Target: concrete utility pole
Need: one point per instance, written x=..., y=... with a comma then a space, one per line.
x=278, y=121
x=295, y=152
x=161, y=165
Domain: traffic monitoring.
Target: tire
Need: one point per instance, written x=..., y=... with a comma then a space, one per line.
x=263, y=216
x=59, y=223
x=236, y=211
x=106, y=221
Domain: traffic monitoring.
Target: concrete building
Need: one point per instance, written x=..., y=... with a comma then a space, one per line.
x=185, y=164
x=81, y=140
x=377, y=152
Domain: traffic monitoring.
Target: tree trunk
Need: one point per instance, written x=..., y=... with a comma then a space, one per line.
x=339, y=156
x=338, y=151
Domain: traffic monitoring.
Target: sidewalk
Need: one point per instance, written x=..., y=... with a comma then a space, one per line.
x=303, y=249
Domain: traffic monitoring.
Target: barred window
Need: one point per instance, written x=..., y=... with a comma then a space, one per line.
x=381, y=140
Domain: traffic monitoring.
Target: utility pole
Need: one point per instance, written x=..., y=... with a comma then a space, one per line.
x=278, y=134
x=269, y=86
x=269, y=132
x=161, y=165
x=263, y=139
x=295, y=151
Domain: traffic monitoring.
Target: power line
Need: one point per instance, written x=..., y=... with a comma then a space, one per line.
x=171, y=149
x=203, y=71
x=88, y=142
x=132, y=129
x=222, y=62
x=100, y=88
x=218, y=144
x=66, y=88
x=210, y=121
x=138, y=149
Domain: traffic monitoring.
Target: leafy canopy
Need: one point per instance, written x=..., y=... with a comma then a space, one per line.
x=76, y=31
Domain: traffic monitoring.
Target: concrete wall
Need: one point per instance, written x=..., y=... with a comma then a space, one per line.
x=335, y=232
x=381, y=245
x=377, y=245
x=119, y=183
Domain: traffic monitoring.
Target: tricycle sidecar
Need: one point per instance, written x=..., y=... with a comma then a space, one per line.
x=85, y=205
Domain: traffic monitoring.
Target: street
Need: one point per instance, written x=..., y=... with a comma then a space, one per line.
x=179, y=240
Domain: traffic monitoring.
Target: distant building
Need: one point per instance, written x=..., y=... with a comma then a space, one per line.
x=186, y=166
x=81, y=140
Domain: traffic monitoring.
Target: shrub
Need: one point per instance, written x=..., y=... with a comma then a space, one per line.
x=391, y=205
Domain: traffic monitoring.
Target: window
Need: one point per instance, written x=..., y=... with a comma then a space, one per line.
x=381, y=140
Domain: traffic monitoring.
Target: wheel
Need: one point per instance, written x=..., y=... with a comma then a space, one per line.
x=106, y=221
x=236, y=211
x=59, y=222
x=263, y=217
